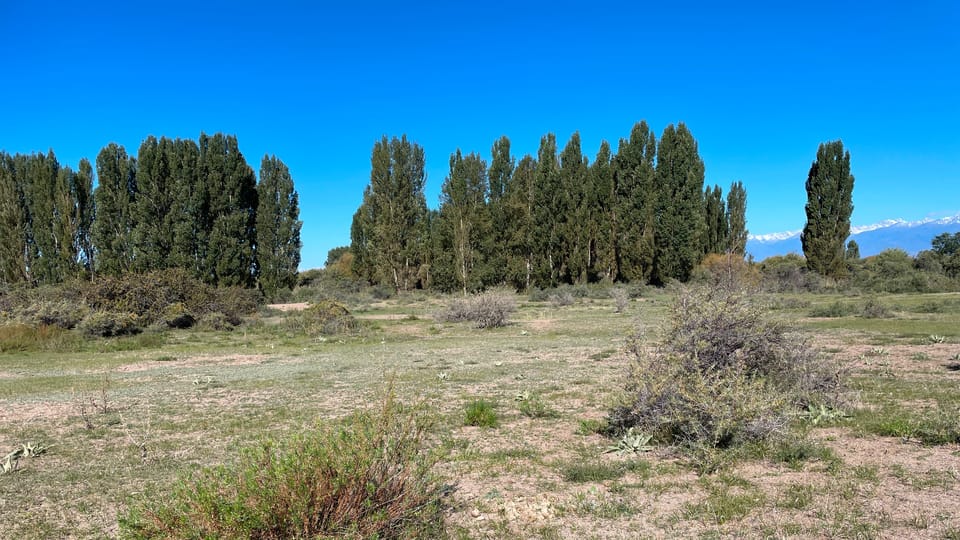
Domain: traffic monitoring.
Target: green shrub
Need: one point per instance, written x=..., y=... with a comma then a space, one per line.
x=369, y=476
x=490, y=309
x=325, y=317
x=480, y=413
x=533, y=406
x=561, y=299
x=726, y=374
x=110, y=323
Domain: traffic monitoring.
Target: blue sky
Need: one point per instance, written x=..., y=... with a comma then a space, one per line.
x=760, y=85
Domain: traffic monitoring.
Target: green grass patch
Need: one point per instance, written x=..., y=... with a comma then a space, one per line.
x=480, y=413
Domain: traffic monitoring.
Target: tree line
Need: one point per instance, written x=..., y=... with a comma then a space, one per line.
x=641, y=214
x=195, y=205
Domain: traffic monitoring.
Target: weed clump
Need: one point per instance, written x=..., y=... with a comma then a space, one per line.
x=725, y=375
x=110, y=324
x=480, y=413
x=369, y=476
x=491, y=309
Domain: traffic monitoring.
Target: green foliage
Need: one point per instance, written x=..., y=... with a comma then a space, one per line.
x=737, y=218
x=480, y=413
x=680, y=221
x=716, y=238
x=533, y=406
x=582, y=471
x=633, y=223
x=114, y=197
x=829, y=206
x=389, y=231
x=177, y=315
x=462, y=225
x=369, y=476
x=278, y=228
x=325, y=317
x=29, y=337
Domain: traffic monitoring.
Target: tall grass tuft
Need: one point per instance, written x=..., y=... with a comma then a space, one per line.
x=369, y=476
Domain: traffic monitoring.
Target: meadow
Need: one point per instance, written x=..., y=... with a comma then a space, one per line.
x=517, y=414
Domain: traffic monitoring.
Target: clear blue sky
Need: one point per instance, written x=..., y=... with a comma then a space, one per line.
x=760, y=85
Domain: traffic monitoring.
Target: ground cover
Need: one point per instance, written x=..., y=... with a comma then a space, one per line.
x=123, y=417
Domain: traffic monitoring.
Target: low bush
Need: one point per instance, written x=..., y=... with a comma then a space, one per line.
x=486, y=310
x=834, y=310
x=28, y=337
x=58, y=313
x=561, y=299
x=874, y=309
x=215, y=321
x=110, y=324
x=178, y=316
x=369, y=476
x=725, y=374
x=621, y=299
x=325, y=317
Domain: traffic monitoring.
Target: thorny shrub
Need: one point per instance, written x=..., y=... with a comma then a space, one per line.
x=490, y=309
x=725, y=374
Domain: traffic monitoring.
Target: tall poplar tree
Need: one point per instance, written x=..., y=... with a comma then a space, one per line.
x=13, y=222
x=389, y=232
x=464, y=219
x=113, y=198
x=502, y=165
x=278, y=227
x=600, y=226
x=715, y=215
x=189, y=211
x=829, y=207
x=634, y=220
x=680, y=222
x=549, y=209
x=520, y=239
x=574, y=213
x=231, y=189
x=151, y=235
x=737, y=218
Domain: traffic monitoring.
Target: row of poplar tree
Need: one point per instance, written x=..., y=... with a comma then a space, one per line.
x=195, y=205
x=641, y=214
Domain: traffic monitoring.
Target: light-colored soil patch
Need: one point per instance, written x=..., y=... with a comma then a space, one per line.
x=296, y=306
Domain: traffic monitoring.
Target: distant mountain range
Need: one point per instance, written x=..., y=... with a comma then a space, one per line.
x=910, y=236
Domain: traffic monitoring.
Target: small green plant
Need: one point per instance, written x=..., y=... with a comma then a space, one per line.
x=533, y=406
x=796, y=496
x=822, y=414
x=632, y=442
x=591, y=426
x=936, y=339
x=480, y=413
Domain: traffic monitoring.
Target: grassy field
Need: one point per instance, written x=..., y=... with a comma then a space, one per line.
x=132, y=415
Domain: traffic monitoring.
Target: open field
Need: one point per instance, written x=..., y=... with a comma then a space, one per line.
x=130, y=415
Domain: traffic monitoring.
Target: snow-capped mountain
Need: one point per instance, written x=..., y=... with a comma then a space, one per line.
x=910, y=236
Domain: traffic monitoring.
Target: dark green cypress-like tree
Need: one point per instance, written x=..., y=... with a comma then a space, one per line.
x=680, y=222
x=715, y=215
x=829, y=207
x=231, y=189
x=45, y=248
x=737, y=218
x=853, y=251
x=111, y=231
x=278, y=227
x=190, y=206
x=389, y=232
x=601, y=229
x=152, y=235
x=574, y=213
x=634, y=218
